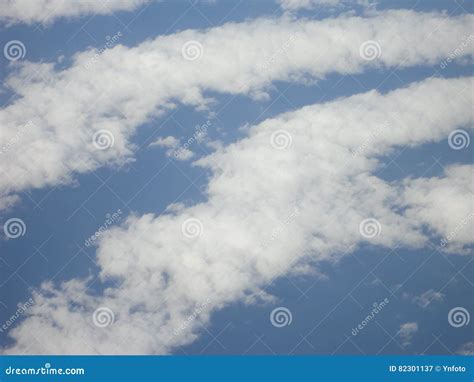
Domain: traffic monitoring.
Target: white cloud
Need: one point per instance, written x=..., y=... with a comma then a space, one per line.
x=167, y=142
x=247, y=233
x=294, y=5
x=126, y=87
x=426, y=298
x=46, y=11
x=445, y=204
x=406, y=332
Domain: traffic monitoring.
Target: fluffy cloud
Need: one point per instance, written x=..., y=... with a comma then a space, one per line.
x=46, y=11
x=443, y=203
x=426, y=298
x=84, y=117
x=299, y=188
x=406, y=332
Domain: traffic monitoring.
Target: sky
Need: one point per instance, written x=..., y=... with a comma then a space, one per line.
x=236, y=177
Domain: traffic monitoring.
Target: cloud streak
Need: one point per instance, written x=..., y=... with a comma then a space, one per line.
x=164, y=269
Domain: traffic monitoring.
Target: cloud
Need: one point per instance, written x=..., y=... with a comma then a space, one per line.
x=444, y=203
x=294, y=5
x=84, y=117
x=406, y=332
x=426, y=298
x=46, y=11
x=174, y=150
x=291, y=193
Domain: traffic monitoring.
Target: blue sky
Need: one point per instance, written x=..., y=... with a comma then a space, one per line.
x=337, y=288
